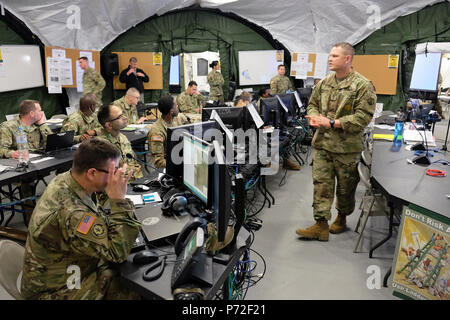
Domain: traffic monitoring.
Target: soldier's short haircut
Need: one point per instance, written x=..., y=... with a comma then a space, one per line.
x=192, y=83
x=165, y=104
x=83, y=58
x=247, y=96
x=133, y=59
x=87, y=101
x=281, y=65
x=93, y=153
x=237, y=99
x=103, y=114
x=347, y=47
x=26, y=106
x=132, y=91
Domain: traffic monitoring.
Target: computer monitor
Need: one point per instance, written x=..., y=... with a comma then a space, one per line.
x=174, y=140
x=305, y=95
x=270, y=111
x=289, y=101
x=236, y=117
x=196, y=160
x=426, y=71
x=222, y=192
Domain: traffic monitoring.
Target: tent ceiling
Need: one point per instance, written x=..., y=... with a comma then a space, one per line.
x=300, y=25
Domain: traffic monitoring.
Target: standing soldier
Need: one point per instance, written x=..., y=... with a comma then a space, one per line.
x=191, y=100
x=93, y=81
x=280, y=83
x=341, y=106
x=215, y=80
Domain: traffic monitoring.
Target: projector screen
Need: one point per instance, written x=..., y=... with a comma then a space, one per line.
x=426, y=71
x=258, y=67
x=20, y=67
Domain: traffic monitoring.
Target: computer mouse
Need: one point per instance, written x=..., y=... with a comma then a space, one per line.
x=140, y=188
x=144, y=257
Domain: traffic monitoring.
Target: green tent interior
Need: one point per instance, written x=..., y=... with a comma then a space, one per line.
x=197, y=30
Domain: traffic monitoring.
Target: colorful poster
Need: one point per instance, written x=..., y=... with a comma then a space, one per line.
x=157, y=58
x=421, y=267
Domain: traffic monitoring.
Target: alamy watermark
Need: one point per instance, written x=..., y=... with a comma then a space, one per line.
x=74, y=20
x=74, y=280
x=374, y=280
x=374, y=19
x=241, y=147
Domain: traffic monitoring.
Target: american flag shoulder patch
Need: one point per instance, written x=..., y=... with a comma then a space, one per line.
x=156, y=138
x=86, y=223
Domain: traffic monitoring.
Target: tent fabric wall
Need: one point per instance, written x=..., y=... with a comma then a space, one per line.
x=189, y=31
x=9, y=101
x=401, y=37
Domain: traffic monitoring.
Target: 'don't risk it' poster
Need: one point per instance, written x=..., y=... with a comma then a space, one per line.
x=421, y=262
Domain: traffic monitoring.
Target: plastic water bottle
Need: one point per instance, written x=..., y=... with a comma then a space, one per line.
x=398, y=132
x=22, y=146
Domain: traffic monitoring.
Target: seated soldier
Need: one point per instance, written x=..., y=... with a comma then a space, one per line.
x=73, y=245
x=31, y=119
x=157, y=137
x=84, y=121
x=128, y=105
x=113, y=120
x=191, y=100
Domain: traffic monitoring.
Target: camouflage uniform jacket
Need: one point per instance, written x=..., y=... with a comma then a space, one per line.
x=124, y=146
x=157, y=138
x=128, y=110
x=215, y=80
x=36, y=136
x=279, y=85
x=80, y=123
x=68, y=228
x=93, y=82
x=189, y=103
x=352, y=101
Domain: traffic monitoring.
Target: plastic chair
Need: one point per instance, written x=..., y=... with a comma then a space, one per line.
x=11, y=255
x=372, y=204
x=59, y=116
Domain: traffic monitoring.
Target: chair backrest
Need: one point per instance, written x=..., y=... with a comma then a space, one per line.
x=11, y=116
x=59, y=116
x=364, y=174
x=11, y=257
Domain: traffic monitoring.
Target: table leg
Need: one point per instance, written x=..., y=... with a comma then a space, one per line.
x=391, y=225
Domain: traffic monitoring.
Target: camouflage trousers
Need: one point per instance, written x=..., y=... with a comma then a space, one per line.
x=334, y=171
x=100, y=285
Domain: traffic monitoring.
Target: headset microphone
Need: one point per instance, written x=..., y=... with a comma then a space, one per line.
x=130, y=156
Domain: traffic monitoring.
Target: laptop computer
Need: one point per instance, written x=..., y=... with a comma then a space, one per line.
x=59, y=141
x=156, y=226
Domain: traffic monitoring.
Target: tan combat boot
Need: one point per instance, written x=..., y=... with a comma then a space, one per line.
x=319, y=231
x=339, y=225
x=291, y=165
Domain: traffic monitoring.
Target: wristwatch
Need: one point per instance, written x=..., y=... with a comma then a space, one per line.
x=332, y=123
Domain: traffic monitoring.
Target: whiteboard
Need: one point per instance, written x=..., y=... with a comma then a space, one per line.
x=258, y=67
x=20, y=67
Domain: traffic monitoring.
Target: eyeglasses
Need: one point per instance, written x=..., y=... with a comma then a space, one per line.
x=120, y=116
x=106, y=171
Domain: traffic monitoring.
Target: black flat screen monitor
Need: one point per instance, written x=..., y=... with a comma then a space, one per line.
x=305, y=95
x=196, y=160
x=236, y=117
x=222, y=192
x=289, y=101
x=174, y=165
x=270, y=111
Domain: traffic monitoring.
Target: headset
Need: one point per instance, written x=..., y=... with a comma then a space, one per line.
x=176, y=203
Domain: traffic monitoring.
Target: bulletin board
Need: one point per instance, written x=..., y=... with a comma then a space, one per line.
x=72, y=54
x=382, y=70
x=150, y=62
x=304, y=65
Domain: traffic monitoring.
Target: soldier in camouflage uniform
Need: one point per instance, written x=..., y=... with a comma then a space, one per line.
x=84, y=121
x=191, y=101
x=73, y=243
x=128, y=105
x=280, y=83
x=113, y=120
x=93, y=81
x=341, y=106
x=157, y=137
x=215, y=80
x=31, y=119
